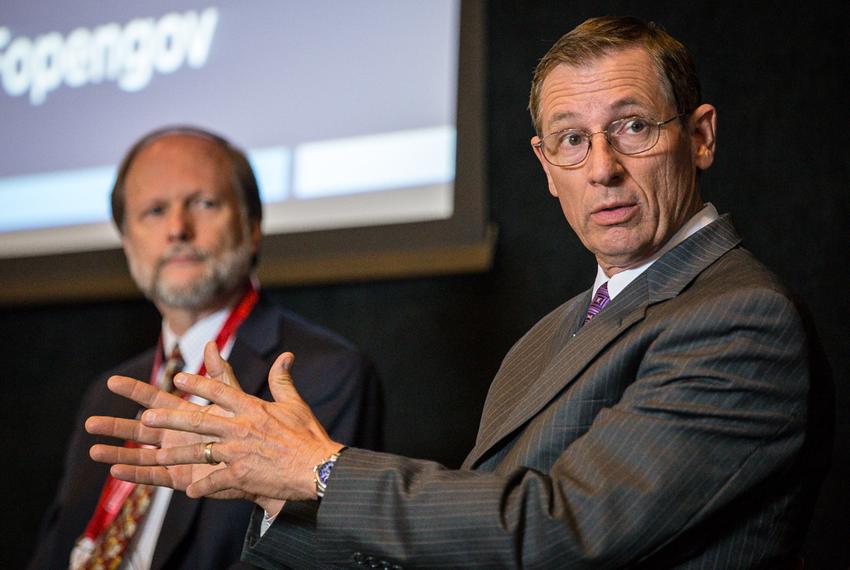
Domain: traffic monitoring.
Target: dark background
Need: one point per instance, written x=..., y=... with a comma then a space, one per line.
x=775, y=73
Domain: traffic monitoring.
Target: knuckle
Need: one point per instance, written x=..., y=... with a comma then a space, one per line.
x=217, y=388
x=242, y=431
x=196, y=418
x=240, y=471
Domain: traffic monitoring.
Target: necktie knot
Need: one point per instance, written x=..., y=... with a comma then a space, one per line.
x=599, y=301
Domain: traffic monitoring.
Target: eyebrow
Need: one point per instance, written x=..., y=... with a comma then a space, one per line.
x=561, y=117
x=191, y=195
x=617, y=105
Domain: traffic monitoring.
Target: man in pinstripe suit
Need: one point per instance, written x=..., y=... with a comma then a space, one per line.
x=662, y=418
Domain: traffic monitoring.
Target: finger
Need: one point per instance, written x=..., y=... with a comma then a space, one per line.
x=148, y=457
x=124, y=429
x=145, y=394
x=228, y=494
x=217, y=483
x=126, y=455
x=218, y=368
x=280, y=379
x=233, y=399
x=196, y=421
x=217, y=410
x=143, y=475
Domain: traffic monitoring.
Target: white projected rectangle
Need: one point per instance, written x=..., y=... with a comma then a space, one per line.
x=348, y=112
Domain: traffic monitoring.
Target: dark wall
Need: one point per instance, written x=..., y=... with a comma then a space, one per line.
x=782, y=171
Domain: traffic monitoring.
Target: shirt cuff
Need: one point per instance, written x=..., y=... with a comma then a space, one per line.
x=267, y=522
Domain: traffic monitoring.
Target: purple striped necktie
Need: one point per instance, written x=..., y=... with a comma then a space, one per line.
x=599, y=301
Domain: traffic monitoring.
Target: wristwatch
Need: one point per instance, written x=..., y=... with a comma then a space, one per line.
x=322, y=472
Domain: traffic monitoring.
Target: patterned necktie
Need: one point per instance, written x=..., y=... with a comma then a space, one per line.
x=173, y=365
x=599, y=301
x=113, y=541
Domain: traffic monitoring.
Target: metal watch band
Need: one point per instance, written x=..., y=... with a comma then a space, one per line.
x=322, y=472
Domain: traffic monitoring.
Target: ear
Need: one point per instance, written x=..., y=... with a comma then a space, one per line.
x=703, y=132
x=256, y=235
x=544, y=163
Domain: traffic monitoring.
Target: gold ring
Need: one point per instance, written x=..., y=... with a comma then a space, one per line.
x=208, y=454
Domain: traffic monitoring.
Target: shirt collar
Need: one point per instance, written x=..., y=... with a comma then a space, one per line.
x=620, y=281
x=193, y=341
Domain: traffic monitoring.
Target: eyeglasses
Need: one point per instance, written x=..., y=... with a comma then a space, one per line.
x=629, y=135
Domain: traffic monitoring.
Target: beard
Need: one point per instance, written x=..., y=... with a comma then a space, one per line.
x=221, y=276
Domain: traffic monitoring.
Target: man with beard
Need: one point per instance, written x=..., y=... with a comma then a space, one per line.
x=667, y=417
x=188, y=209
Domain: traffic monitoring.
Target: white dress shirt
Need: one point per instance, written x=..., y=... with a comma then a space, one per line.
x=619, y=281
x=140, y=552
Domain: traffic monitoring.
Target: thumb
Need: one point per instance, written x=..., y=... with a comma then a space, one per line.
x=217, y=367
x=280, y=380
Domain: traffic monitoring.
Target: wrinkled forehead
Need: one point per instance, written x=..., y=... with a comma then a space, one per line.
x=617, y=81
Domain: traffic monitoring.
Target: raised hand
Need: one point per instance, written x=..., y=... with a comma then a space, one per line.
x=177, y=477
x=268, y=449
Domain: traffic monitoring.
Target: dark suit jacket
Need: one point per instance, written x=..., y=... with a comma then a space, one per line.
x=670, y=431
x=338, y=382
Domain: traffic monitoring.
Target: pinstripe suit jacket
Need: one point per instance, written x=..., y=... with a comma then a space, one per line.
x=667, y=432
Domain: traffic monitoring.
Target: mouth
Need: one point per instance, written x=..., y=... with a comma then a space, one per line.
x=182, y=258
x=613, y=213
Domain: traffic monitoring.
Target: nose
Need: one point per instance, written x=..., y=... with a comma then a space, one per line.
x=179, y=224
x=604, y=162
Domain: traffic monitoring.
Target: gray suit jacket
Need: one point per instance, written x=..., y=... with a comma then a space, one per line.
x=338, y=382
x=668, y=432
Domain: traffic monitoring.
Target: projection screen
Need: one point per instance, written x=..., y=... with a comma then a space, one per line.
x=362, y=120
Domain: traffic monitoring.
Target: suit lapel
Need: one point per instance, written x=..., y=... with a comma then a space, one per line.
x=523, y=363
x=528, y=380
x=523, y=392
x=253, y=341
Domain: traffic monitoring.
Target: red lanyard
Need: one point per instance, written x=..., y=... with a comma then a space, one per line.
x=115, y=491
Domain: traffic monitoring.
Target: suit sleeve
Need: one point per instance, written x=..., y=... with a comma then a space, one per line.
x=712, y=419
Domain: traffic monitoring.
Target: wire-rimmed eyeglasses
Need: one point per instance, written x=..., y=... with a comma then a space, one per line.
x=629, y=135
